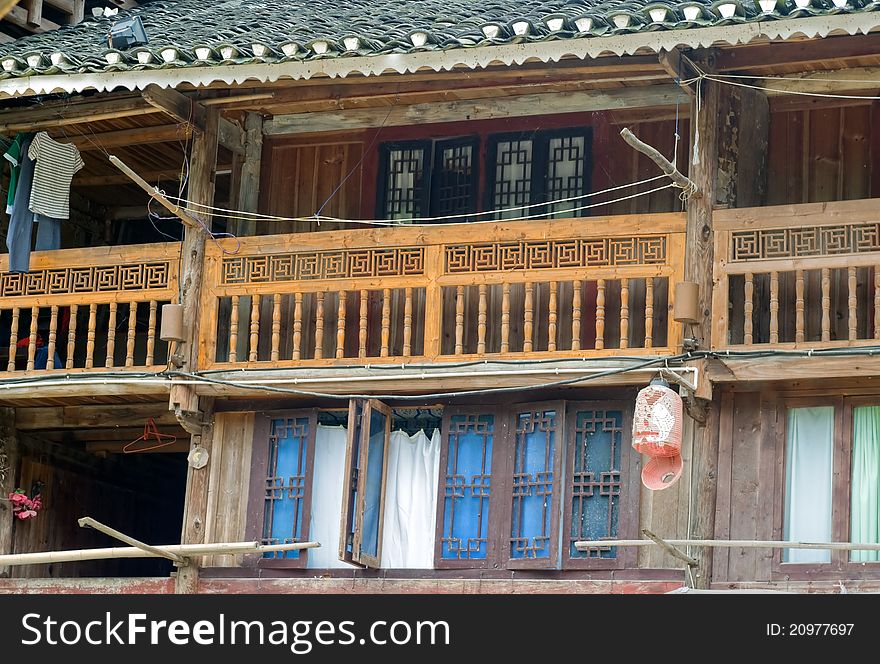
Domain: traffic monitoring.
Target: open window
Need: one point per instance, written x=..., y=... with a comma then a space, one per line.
x=363, y=505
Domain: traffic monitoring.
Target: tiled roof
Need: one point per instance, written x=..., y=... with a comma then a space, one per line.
x=199, y=33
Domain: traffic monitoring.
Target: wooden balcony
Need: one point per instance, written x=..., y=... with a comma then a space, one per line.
x=566, y=288
x=82, y=310
x=797, y=277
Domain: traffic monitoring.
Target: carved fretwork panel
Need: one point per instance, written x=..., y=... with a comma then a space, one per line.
x=467, y=487
x=532, y=531
x=146, y=276
x=555, y=254
x=595, y=481
x=801, y=242
x=289, y=465
x=308, y=266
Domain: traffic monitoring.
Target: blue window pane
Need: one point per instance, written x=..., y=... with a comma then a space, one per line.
x=286, y=484
x=533, y=484
x=373, y=490
x=595, y=481
x=467, y=487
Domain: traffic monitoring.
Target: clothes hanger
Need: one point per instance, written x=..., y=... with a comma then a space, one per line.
x=151, y=435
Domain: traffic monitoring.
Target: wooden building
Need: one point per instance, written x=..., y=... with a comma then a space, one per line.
x=422, y=280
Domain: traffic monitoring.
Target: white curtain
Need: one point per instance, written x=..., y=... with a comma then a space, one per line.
x=809, y=454
x=865, y=521
x=410, y=499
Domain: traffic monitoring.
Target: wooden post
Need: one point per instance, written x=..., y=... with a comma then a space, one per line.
x=184, y=401
x=8, y=472
x=698, y=268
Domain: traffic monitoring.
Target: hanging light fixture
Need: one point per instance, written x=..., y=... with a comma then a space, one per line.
x=657, y=425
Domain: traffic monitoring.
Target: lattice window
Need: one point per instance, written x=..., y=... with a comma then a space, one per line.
x=466, y=488
x=453, y=185
x=535, y=168
x=566, y=178
x=404, y=192
x=288, y=483
x=512, y=177
x=534, y=518
x=594, y=480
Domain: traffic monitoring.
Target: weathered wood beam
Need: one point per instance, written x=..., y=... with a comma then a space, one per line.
x=185, y=217
x=803, y=53
x=57, y=115
x=76, y=417
x=698, y=268
x=180, y=107
x=126, y=137
x=486, y=109
x=167, y=175
x=187, y=110
x=677, y=66
x=20, y=16
x=89, y=522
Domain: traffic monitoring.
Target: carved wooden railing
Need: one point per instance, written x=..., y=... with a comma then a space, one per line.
x=797, y=276
x=562, y=288
x=87, y=309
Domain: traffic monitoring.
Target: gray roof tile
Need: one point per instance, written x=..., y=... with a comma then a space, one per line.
x=203, y=32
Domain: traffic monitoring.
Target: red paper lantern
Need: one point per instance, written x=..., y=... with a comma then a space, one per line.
x=657, y=424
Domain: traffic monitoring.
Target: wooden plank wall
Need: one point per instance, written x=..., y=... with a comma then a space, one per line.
x=665, y=513
x=747, y=478
x=229, y=482
x=300, y=174
x=822, y=154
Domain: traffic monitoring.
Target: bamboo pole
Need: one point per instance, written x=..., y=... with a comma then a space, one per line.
x=89, y=522
x=186, y=550
x=735, y=544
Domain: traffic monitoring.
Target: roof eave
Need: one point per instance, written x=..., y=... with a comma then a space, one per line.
x=478, y=57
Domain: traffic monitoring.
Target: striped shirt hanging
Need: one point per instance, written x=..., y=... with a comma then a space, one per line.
x=55, y=166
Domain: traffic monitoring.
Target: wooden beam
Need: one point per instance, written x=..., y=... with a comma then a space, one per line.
x=662, y=162
x=57, y=115
x=516, y=106
x=126, y=137
x=34, y=11
x=115, y=435
x=8, y=479
x=188, y=111
x=113, y=180
x=677, y=66
x=175, y=104
x=803, y=53
x=671, y=550
x=77, y=417
x=20, y=16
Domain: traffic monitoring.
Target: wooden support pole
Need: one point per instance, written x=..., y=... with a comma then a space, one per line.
x=176, y=210
x=8, y=478
x=89, y=522
x=249, y=181
x=699, y=268
x=665, y=165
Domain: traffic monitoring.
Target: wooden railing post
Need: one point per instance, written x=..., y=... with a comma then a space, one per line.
x=434, y=263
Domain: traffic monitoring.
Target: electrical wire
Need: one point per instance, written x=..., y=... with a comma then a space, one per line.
x=399, y=223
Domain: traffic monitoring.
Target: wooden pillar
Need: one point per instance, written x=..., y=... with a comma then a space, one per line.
x=249, y=180
x=698, y=268
x=743, y=133
x=8, y=471
x=249, y=198
x=194, y=414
